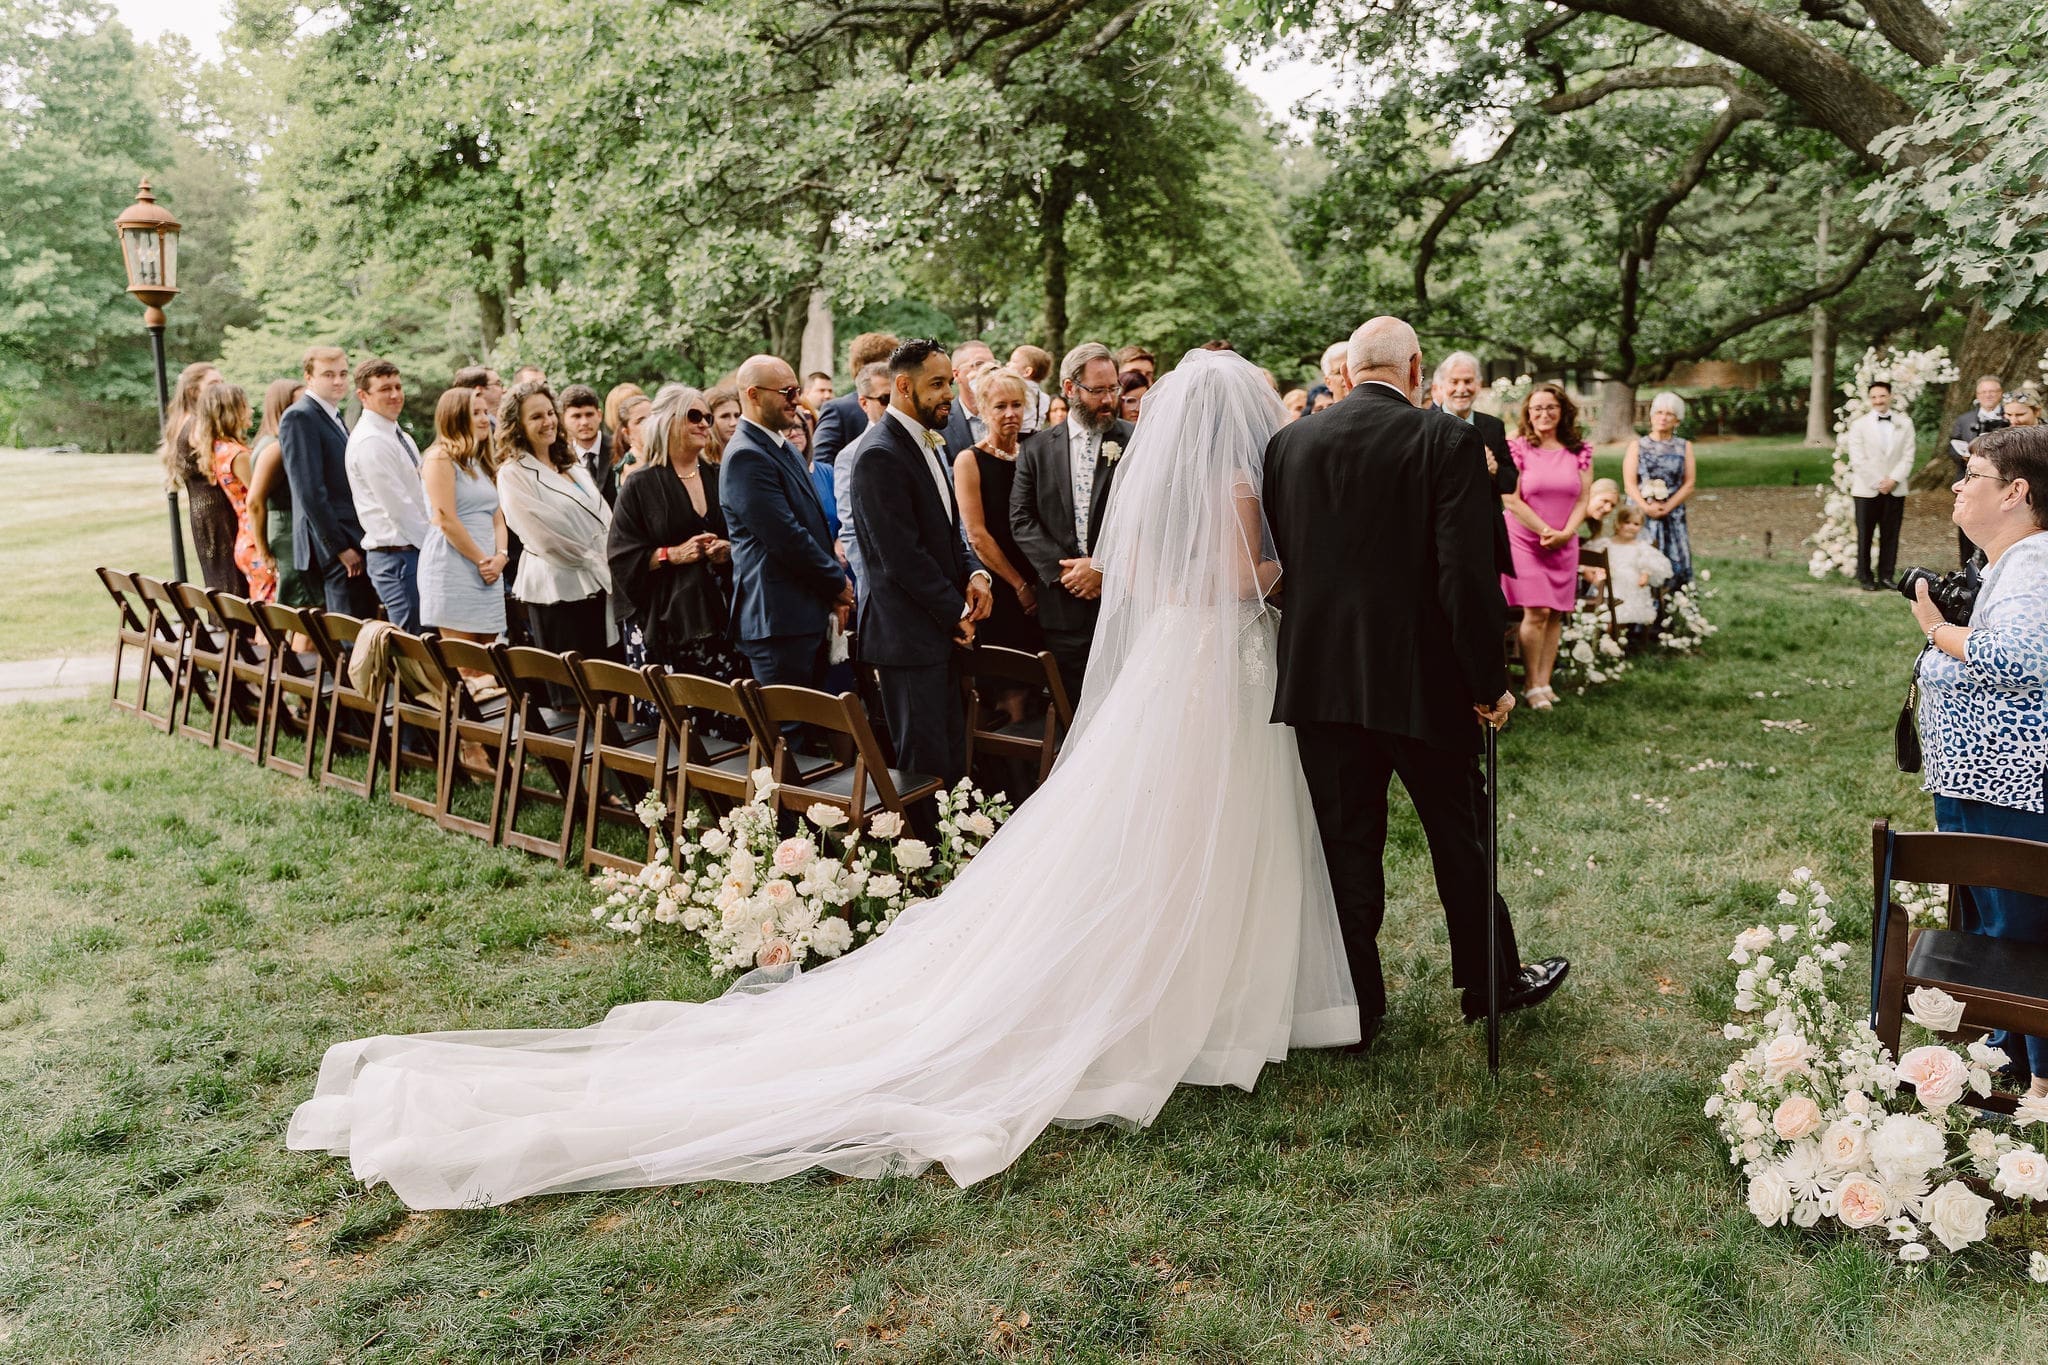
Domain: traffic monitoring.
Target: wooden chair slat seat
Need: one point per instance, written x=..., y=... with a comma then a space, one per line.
x=294, y=673
x=420, y=701
x=2002, y=983
x=335, y=635
x=1035, y=739
x=862, y=786
x=208, y=643
x=489, y=723
x=638, y=757
x=708, y=766
x=166, y=650
x=246, y=691
x=561, y=741
x=134, y=626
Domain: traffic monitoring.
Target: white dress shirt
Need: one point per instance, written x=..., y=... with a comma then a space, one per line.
x=1881, y=447
x=1083, y=448
x=332, y=411
x=384, y=480
x=933, y=444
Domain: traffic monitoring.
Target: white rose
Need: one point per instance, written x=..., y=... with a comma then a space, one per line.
x=1842, y=1145
x=1796, y=1116
x=1806, y=1213
x=2037, y=1268
x=832, y=937
x=2022, y=1174
x=1905, y=1147
x=825, y=817
x=2032, y=1109
x=1934, y=1009
x=1936, y=1074
x=1785, y=1055
x=793, y=854
x=716, y=841
x=979, y=825
x=1983, y=1054
x=884, y=885
x=1753, y=940
x=763, y=780
x=887, y=825
x=912, y=854
x=1954, y=1215
x=1770, y=1198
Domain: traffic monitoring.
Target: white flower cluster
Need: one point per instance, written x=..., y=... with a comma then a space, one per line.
x=757, y=899
x=1909, y=373
x=1586, y=651
x=1826, y=1126
x=1684, y=626
x=1924, y=902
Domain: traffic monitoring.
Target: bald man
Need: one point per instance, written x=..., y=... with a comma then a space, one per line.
x=1390, y=653
x=786, y=580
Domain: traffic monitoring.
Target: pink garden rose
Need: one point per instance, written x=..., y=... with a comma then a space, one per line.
x=1936, y=1074
x=1795, y=1118
x=773, y=953
x=1860, y=1202
x=793, y=855
x=1785, y=1055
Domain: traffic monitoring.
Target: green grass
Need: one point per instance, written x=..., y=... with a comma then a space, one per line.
x=184, y=935
x=60, y=515
x=1741, y=462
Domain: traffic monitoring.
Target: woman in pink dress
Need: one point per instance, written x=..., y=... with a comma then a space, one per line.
x=223, y=427
x=1543, y=513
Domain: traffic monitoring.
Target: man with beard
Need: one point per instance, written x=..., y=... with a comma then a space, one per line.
x=1058, y=502
x=921, y=587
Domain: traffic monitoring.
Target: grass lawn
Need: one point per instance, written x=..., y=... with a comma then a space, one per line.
x=60, y=515
x=1741, y=462
x=184, y=935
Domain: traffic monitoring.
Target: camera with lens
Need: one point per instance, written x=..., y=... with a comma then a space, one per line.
x=1954, y=594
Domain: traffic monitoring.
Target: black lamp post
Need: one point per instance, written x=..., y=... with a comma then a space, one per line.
x=149, y=248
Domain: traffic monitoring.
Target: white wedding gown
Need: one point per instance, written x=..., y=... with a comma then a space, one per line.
x=1158, y=912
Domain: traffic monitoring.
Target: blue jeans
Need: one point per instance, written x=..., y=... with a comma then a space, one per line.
x=1998, y=913
x=395, y=576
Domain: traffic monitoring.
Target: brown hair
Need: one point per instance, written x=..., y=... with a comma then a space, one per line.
x=615, y=404
x=2020, y=453
x=509, y=443
x=372, y=370
x=1033, y=362
x=725, y=393
x=867, y=348
x=315, y=354
x=182, y=459
x=1567, y=419
x=1628, y=512
x=223, y=415
x=455, y=433
x=279, y=395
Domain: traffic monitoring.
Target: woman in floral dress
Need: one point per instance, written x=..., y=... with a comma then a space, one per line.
x=1659, y=473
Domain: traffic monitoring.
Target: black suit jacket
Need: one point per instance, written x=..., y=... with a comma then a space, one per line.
x=914, y=563
x=1506, y=479
x=959, y=429
x=1042, y=513
x=599, y=463
x=839, y=426
x=1383, y=517
x=315, y=452
x=1967, y=428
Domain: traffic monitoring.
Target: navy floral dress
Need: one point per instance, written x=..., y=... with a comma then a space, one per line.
x=1665, y=460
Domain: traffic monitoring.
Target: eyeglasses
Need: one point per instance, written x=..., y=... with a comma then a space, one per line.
x=697, y=416
x=1096, y=392
x=1969, y=474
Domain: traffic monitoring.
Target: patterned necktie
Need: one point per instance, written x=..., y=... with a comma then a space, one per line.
x=1084, y=488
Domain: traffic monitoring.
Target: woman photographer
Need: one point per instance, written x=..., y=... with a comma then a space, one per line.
x=1984, y=686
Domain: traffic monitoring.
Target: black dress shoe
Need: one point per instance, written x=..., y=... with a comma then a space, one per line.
x=1369, y=1032
x=1868, y=585
x=1531, y=986
x=1888, y=584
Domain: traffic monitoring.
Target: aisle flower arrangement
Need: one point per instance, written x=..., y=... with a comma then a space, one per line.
x=754, y=898
x=1909, y=373
x=1828, y=1127
x=1684, y=626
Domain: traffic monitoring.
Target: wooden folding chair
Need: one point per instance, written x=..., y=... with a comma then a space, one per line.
x=133, y=628
x=864, y=786
x=294, y=673
x=1603, y=592
x=2002, y=983
x=166, y=650
x=560, y=739
x=335, y=634
x=489, y=723
x=638, y=756
x=711, y=765
x=246, y=687
x=420, y=701
x=208, y=643
x=989, y=731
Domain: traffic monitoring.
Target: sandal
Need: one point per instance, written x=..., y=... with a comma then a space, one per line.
x=1539, y=698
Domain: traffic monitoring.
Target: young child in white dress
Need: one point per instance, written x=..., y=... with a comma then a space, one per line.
x=1635, y=567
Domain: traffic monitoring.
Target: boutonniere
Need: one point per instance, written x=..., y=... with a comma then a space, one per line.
x=1111, y=452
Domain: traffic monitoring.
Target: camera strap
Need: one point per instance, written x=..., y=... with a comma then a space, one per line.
x=1906, y=734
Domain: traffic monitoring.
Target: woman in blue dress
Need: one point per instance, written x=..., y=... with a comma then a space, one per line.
x=463, y=560
x=1658, y=474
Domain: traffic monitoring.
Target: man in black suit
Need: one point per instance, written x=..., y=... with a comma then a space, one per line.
x=1390, y=653
x=327, y=538
x=964, y=426
x=1059, y=499
x=1986, y=414
x=841, y=421
x=1457, y=388
x=921, y=587
x=589, y=442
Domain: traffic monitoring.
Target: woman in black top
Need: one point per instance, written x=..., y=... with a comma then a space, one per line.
x=670, y=559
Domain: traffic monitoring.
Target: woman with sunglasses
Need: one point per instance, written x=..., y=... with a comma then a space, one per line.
x=670, y=559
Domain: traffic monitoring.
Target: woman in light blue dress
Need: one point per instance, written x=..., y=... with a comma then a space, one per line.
x=462, y=564
x=1662, y=458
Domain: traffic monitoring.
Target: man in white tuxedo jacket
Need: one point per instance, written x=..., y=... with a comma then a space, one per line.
x=1881, y=450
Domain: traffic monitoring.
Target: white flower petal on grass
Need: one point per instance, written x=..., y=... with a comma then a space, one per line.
x=2037, y=1268
x=1914, y=1251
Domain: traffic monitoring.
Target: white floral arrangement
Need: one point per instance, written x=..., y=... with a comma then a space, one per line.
x=1684, y=626
x=1827, y=1126
x=1586, y=653
x=1654, y=490
x=1509, y=393
x=1925, y=903
x=757, y=899
x=1909, y=373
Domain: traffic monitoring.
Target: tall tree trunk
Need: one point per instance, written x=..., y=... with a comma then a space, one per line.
x=1820, y=397
x=2013, y=356
x=1617, y=420
x=490, y=307
x=1052, y=228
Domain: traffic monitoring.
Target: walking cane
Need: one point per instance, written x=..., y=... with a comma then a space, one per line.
x=1492, y=899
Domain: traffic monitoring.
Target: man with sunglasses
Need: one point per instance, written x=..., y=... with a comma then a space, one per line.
x=786, y=580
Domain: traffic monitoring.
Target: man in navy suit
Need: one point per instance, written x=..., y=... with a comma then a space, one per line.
x=922, y=588
x=327, y=538
x=964, y=426
x=841, y=421
x=786, y=580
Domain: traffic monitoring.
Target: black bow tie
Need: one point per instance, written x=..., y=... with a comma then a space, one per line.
x=1884, y=417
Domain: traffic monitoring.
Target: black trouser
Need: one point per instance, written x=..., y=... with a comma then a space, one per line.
x=1348, y=767
x=927, y=718
x=581, y=627
x=345, y=595
x=1069, y=626
x=1882, y=515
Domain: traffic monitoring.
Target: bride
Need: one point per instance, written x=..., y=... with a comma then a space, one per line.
x=1158, y=912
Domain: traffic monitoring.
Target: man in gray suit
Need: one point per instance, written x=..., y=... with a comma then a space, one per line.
x=1059, y=499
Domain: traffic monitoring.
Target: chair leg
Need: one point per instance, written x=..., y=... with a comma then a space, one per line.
x=592, y=799
x=114, y=697
x=1891, y=987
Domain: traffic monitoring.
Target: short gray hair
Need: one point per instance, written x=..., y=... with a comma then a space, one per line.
x=1080, y=358
x=1670, y=402
x=1381, y=343
x=1337, y=356
x=869, y=374
x=670, y=404
x=1443, y=369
